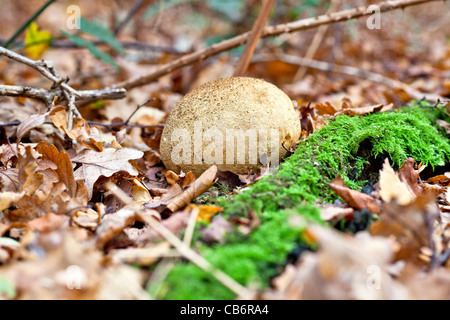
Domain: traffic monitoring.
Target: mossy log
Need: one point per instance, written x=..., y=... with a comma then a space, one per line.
x=353, y=147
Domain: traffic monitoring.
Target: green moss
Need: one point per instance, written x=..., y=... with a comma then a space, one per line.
x=346, y=146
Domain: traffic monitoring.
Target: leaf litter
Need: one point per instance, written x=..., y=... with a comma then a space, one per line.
x=59, y=220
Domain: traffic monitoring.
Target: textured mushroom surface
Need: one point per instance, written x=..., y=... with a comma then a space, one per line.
x=237, y=123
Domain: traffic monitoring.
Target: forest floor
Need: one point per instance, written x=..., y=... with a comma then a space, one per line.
x=359, y=210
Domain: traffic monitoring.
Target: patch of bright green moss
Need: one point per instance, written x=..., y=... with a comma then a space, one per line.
x=344, y=147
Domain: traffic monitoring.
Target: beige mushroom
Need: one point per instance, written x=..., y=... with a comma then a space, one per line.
x=238, y=124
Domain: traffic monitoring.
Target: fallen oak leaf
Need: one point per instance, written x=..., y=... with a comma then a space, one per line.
x=366, y=110
x=202, y=184
x=29, y=124
x=64, y=168
x=95, y=164
x=81, y=131
x=355, y=199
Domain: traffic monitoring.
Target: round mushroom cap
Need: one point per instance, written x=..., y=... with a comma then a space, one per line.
x=237, y=123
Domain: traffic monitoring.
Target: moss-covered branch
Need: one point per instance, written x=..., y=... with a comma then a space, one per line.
x=347, y=146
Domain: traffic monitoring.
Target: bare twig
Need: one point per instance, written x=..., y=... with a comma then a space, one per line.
x=191, y=226
x=60, y=88
x=255, y=35
x=47, y=96
x=234, y=42
x=100, y=124
x=182, y=248
x=127, y=44
x=134, y=8
x=352, y=71
x=315, y=44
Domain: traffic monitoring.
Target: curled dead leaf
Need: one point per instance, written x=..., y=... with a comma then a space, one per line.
x=355, y=199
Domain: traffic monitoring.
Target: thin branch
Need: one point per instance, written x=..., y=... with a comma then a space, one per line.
x=137, y=108
x=47, y=96
x=27, y=23
x=71, y=95
x=128, y=44
x=134, y=8
x=94, y=123
x=351, y=71
x=255, y=35
x=315, y=44
x=234, y=42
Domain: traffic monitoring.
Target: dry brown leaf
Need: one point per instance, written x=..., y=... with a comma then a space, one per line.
x=8, y=198
x=47, y=223
x=444, y=124
x=29, y=124
x=187, y=180
x=81, y=131
x=113, y=224
x=9, y=179
x=361, y=110
x=140, y=193
x=172, y=177
x=325, y=108
x=393, y=188
x=355, y=199
x=86, y=135
x=216, y=230
x=437, y=178
x=332, y=212
x=409, y=225
x=95, y=164
x=87, y=218
x=344, y=267
x=411, y=175
x=176, y=223
x=202, y=184
x=53, y=189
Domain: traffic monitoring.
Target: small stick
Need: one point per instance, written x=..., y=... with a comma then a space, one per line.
x=315, y=44
x=187, y=252
x=254, y=37
x=137, y=108
x=47, y=71
x=134, y=8
x=191, y=226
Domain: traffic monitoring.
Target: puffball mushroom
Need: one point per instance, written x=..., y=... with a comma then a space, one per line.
x=237, y=123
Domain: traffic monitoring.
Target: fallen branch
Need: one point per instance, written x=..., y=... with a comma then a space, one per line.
x=255, y=35
x=70, y=94
x=234, y=42
x=315, y=43
x=351, y=71
x=48, y=96
x=95, y=123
